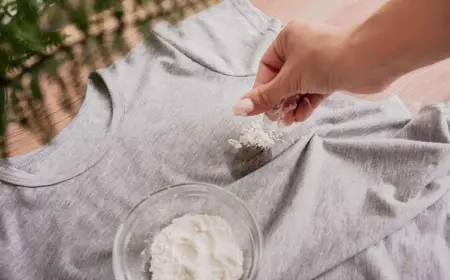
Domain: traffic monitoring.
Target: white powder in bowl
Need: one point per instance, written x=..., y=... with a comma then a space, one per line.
x=196, y=247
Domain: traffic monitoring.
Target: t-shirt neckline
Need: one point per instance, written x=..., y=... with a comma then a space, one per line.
x=91, y=138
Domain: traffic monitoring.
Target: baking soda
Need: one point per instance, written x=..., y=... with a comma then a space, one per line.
x=196, y=247
x=257, y=136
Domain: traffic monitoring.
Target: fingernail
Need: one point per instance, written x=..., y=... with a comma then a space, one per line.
x=243, y=107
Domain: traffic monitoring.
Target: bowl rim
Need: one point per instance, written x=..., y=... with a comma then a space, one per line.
x=118, y=266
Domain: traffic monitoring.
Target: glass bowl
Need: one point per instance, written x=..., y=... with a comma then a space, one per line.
x=131, y=256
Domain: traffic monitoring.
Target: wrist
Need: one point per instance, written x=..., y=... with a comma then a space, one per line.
x=360, y=65
x=389, y=44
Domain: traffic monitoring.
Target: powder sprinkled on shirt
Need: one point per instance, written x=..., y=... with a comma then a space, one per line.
x=257, y=137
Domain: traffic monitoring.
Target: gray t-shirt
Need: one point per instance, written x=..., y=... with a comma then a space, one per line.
x=361, y=193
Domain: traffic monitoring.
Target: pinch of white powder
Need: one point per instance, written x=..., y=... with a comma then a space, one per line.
x=257, y=137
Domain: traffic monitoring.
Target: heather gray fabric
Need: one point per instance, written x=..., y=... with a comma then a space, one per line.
x=361, y=193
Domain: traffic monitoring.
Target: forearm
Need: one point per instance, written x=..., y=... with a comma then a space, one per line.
x=400, y=37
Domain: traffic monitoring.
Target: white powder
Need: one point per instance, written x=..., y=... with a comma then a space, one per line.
x=196, y=247
x=264, y=133
x=257, y=137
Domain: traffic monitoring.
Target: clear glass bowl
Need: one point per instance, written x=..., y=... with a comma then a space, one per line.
x=131, y=256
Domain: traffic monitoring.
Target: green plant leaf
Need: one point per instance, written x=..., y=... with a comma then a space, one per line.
x=118, y=14
x=3, y=64
x=52, y=39
x=80, y=18
x=51, y=66
x=144, y=29
x=3, y=16
x=119, y=43
x=25, y=38
x=28, y=10
x=101, y=5
x=35, y=88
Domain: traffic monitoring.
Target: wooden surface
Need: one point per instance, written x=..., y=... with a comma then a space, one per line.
x=417, y=89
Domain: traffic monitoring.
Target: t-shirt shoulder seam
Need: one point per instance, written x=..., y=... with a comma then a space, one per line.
x=252, y=11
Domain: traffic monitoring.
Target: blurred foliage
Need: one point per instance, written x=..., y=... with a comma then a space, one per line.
x=33, y=45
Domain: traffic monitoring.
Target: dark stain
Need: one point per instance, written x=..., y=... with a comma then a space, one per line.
x=245, y=160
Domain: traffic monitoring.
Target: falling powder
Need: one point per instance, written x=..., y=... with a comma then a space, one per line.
x=264, y=133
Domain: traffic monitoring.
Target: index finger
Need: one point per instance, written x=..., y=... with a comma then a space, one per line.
x=271, y=63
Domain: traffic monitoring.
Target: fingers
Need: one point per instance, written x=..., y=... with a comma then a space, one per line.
x=285, y=82
x=288, y=109
x=271, y=64
x=267, y=89
x=294, y=109
x=300, y=107
x=260, y=99
x=307, y=104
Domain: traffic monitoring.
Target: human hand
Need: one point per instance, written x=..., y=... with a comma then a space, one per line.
x=296, y=72
x=306, y=63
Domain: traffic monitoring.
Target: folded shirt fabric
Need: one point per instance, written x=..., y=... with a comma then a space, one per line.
x=360, y=193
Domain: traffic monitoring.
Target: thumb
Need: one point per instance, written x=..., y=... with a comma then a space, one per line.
x=260, y=99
